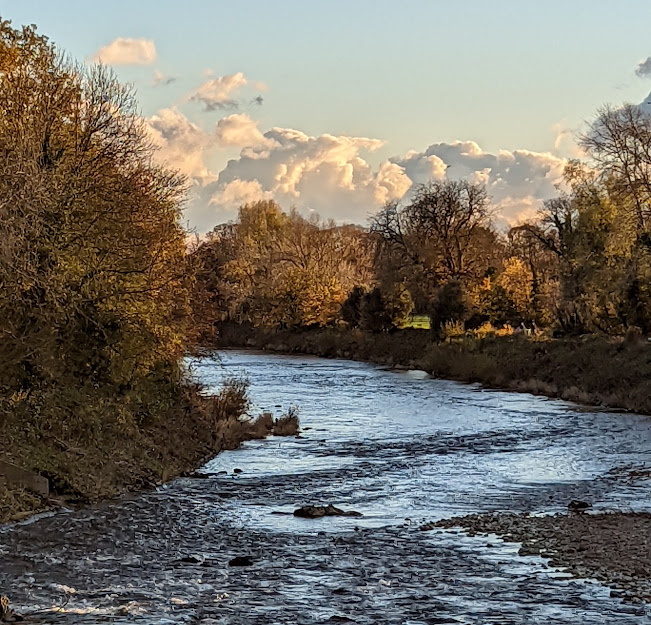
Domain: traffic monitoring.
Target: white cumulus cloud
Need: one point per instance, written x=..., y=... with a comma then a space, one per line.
x=326, y=173
x=181, y=144
x=516, y=180
x=332, y=174
x=124, y=51
x=239, y=130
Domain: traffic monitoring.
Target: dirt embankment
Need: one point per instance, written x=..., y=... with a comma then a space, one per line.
x=596, y=371
x=85, y=464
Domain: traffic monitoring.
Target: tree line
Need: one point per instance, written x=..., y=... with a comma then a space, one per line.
x=582, y=266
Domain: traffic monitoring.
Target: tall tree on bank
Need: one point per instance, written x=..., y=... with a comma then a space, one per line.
x=92, y=257
x=443, y=234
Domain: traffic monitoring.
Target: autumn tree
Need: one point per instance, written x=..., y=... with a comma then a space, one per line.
x=92, y=258
x=280, y=269
x=442, y=235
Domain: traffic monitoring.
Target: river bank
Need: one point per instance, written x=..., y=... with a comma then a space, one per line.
x=612, y=548
x=122, y=457
x=612, y=373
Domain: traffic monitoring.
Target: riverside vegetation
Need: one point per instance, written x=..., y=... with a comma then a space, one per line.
x=560, y=305
x=95, y=287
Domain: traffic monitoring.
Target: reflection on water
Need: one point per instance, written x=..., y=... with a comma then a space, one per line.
x=396, y=446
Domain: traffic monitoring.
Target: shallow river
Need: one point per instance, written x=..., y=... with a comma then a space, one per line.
x=398, y=447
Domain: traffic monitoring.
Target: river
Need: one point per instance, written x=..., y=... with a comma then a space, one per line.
x=398, y=447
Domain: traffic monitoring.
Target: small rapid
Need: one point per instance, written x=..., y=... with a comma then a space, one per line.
x=398, y=447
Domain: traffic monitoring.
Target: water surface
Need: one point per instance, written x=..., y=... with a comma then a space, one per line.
x=398, y=447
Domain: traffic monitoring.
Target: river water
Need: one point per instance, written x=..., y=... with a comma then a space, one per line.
x=398, y=447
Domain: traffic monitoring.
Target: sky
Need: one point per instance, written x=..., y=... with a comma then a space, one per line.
x=340, y=106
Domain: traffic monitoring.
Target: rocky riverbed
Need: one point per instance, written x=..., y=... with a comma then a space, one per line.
x=613, y=548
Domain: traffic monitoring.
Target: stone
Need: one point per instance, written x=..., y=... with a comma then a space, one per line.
x=578, y=506
x=241, y=561
x=316, y=512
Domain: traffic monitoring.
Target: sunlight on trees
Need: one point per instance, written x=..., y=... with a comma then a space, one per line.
x=92, y=258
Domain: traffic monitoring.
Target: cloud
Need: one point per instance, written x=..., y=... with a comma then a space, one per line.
x=332, y=175
x=217, y=93
x=516, y=180
x=239, y=130
x=161, y=80
x=644, y=68
x=565, y=144
x=237, y=192
x=122, y=51
x=329, y=173
x=181, y=144
x=326, y=173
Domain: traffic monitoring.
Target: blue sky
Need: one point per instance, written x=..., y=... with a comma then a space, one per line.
x=507, y=75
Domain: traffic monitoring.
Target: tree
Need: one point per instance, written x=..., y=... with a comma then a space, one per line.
x=92, y=261
x=449, y=305
x=351, y=308
x=279, y=269
x=444, y=233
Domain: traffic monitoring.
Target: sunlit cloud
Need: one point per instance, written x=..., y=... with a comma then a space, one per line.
x=518, y=181
x=181, y=144
x=239, y=130
x=332, y=175
x=123, y=51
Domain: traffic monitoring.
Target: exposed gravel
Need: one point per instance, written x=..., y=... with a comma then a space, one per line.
x=614, y=548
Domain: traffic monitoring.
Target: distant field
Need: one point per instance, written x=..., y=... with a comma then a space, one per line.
x=418, y=321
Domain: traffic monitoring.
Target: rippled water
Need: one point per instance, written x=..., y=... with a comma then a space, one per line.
x=396, y=446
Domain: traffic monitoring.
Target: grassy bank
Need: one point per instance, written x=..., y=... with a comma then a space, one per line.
x=100, y=450
x=596, y=371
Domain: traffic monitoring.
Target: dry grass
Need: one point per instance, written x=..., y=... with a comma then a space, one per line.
x=85, y=464
x=610, y=372
x=288, y=424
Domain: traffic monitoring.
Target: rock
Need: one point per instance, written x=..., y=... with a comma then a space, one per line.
x=237, y=471
x=241, y=561
x=192, y=559
x=316, y=512
x=195, y=475
x=578, y=506
x=528, y=550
